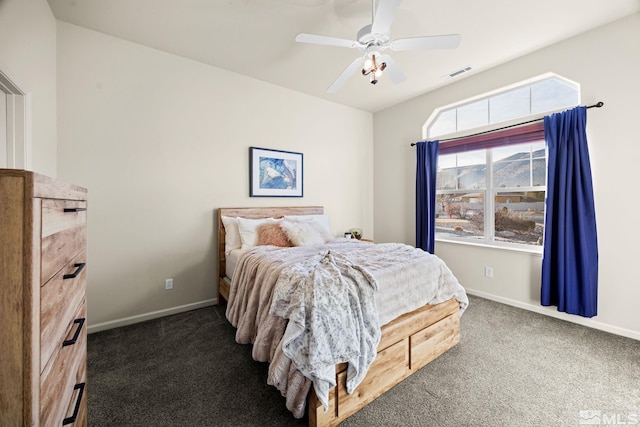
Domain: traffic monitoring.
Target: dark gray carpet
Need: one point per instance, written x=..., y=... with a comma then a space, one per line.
x=511, y=368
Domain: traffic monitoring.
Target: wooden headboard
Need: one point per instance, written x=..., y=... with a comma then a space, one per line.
x=272, y=212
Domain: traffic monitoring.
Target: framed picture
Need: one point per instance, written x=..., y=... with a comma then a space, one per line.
x=275, y=173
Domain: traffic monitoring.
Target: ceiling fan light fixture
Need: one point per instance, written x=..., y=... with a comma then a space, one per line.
x=372, y=69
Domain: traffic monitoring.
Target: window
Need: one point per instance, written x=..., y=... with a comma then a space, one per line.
x=491, y=188
x=492, y=195
x=541, y=95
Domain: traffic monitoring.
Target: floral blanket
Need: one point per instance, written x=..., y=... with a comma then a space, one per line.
x=329, y=303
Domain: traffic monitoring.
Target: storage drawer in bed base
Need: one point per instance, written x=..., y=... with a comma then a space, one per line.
x=407, y=344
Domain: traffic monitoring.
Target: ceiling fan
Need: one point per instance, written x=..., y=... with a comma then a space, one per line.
x=373, y=40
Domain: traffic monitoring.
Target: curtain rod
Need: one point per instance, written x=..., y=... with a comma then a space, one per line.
x=596, y=105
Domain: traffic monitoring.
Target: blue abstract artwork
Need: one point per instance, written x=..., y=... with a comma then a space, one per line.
x=277, y=173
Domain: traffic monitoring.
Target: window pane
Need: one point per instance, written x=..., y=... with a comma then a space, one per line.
x=460, y=215
x=512, y=166
x=509, y=105
x=519, y=217
x=472, y=170
x=509, y=174
x=445, y=123
x=462, y=171
x=539, y=172
x=539, y=150
x=473, y=115
x=552, y=94
x=446, y=179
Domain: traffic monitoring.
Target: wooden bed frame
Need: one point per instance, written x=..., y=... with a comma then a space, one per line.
x=407, y=344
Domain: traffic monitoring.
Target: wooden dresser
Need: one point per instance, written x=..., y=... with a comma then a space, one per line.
x=43, y=335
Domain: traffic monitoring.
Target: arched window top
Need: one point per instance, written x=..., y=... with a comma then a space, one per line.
x=542, y=94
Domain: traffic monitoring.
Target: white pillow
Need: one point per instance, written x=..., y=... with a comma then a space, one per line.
x=249, y=230
x=322, y=219
x=305, y=233
x=231, y=234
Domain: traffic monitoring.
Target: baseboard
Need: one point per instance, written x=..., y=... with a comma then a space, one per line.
x=552, y=312
x=149, y=316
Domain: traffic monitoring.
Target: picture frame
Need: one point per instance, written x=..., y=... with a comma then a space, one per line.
x=275, y=173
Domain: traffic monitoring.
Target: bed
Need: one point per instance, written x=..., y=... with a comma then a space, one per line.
x=406, y=343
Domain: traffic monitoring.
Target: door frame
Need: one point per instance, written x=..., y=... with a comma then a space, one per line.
x=18, y=124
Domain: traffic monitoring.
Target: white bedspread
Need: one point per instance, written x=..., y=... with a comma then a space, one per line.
x=406, y=278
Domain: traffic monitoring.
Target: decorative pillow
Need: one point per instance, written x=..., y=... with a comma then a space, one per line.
x=249, y=230
x=231, y=234
x=272, y=234
x=322, y=219
x=305, y=233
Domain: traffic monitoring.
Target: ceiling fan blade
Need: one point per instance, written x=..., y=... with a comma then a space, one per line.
x=450, y=41
x=393, y=70
x=342, y=78
x=324, y=40
x=383, y=18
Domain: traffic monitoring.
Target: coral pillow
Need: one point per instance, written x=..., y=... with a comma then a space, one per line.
x=272, y=234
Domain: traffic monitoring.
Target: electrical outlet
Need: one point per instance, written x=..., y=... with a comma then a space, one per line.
x=168, y=284
x=488, y=271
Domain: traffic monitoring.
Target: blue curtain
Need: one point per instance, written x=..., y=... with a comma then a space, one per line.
x=570, y=258
x=426, y=174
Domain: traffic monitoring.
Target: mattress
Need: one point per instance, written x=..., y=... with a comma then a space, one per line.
x=231, y=261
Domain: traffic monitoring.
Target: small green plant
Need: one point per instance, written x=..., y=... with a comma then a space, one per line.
x=356, y=233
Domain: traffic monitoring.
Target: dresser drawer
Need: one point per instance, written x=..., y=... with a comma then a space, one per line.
x=63, y=380
x=79, y=400
x=63, y=234
x=60, y=300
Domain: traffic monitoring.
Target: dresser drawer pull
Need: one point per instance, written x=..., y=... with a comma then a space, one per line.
x=80, y=323
x=73, y=417
x=73, y=275
x=75, y=209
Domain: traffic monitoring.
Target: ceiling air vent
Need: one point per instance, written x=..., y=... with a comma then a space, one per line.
x=457, y=73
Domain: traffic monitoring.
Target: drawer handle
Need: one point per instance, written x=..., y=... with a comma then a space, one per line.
x=75, y=209
x=76, y=409
x=73, y=275
x=80, y=323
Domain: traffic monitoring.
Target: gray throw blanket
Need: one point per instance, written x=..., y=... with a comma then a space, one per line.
x=330, y=305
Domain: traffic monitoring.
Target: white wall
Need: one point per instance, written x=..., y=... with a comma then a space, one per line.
x=161, y=142
x=28, y=57
x=606, y=62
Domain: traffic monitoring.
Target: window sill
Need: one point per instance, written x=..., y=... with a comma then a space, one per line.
x=536, y=250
